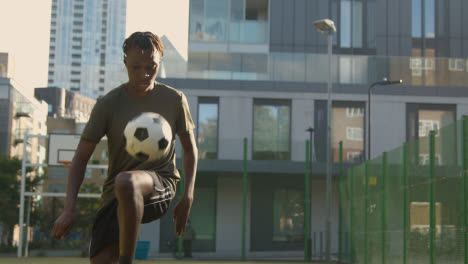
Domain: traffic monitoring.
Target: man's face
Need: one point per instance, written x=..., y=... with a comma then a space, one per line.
x=142, y=68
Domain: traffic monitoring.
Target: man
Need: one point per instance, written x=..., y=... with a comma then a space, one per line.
x=134, y=192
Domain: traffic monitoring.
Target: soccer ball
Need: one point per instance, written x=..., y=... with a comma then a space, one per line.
x=147, y=137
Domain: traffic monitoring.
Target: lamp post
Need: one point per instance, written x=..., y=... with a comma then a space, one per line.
x=309, y=235
x=327, y=26
x=384, y=82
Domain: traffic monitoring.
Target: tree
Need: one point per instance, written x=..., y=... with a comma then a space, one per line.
x=10, y=182
x=45, y=212
x=9, y=197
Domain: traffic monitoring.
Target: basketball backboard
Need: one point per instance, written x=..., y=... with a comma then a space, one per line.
x=62, y=148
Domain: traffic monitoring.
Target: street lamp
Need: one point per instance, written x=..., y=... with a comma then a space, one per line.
x=327, y=26
x=309, y=238
x=384, y=82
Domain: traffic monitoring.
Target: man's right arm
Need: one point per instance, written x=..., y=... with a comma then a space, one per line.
x=65, y=221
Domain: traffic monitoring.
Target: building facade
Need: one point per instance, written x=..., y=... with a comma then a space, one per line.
x=21, y=113
x=64, y=104
x=7, y=65
x=85, y=54
x=258, y=69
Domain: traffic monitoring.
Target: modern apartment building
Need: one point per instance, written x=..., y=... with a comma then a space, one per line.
x=21, y=113
x=258, y=69
x=86, y=37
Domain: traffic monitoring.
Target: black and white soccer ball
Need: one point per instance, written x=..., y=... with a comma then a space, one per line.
x=148, y=137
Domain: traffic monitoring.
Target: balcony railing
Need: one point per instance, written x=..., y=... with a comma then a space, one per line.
x=301, y=67
x=19, y=136
x=248, y=32
x=220, y=31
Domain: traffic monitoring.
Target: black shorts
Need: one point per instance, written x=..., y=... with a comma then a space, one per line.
x=106, y=226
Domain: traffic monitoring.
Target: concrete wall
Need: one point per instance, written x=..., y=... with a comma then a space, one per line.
x=236, y=122
x=388, y=112
x=229, y=217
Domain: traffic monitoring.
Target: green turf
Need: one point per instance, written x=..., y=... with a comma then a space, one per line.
x=43, y=260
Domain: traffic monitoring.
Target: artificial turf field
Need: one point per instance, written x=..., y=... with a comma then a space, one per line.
x=44, y=260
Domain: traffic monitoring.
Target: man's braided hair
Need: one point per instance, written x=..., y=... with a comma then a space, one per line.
x=145, y=41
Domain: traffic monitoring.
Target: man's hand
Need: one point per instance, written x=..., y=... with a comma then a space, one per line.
x=63, y=224
x=181, y=213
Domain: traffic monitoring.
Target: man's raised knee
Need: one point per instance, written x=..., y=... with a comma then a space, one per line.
x=125, y=184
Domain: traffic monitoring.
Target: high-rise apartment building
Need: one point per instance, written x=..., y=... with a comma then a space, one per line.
x=85, y=45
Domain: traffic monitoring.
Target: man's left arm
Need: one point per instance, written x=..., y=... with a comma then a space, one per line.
x=189, y=160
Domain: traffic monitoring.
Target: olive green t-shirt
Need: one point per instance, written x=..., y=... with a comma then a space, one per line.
x=111, y=114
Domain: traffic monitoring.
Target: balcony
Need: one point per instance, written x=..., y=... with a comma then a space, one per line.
x=219, y=31
x=309, y=68
x=22, y=114
x=19, y=136
x=249, y=31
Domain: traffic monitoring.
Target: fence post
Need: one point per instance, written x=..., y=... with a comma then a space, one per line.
x=432, y=209
x=314, y=247
x=340, y=216
x=405, y=202
x=244, y=199
x=306, y=207
x=366, y=205
x=321, y=244
x=351, y=209
x=384, y=206
x=180, y=241
x=464, y=182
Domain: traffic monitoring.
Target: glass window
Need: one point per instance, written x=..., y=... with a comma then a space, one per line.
x=288, y=215
x=345, y=24
x=4, y=92
x=216, y=15
x=207, y=132
x=203, y=213
x=88, y=173
x=428, y=117
x=256, y=10
x=196, y=19
x=104, y=155
x=202, y=218
x=229, y=20
x=103, y=173
x=348, y=126
x=271, y=129
x=356, y=23
x=429, y=23
x=417, y=7
x=416, y=18
x=423, y=118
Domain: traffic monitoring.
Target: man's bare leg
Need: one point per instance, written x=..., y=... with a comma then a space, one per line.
x=108, y=255
x=131, y=190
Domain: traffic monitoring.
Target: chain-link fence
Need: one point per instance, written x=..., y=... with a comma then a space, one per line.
x=408, y=205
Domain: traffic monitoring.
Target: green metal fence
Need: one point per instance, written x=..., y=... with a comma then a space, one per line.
x=408, y=205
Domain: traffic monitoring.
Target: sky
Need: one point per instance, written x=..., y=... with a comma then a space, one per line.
x=25, y=31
